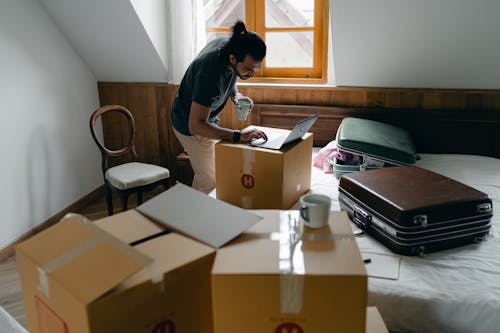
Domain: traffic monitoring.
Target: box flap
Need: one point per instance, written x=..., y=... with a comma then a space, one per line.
x=197, y=215
x=129, y=226
x=181, y=251
x=374, y=322
x=91, y=266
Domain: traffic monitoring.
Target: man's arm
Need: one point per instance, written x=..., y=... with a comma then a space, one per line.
x=198, y=125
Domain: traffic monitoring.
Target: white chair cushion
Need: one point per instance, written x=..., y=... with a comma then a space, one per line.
x=133, y=174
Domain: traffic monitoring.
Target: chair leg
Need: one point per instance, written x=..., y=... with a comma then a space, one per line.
x=139, y=198
x=109, y=200
x=124, y=200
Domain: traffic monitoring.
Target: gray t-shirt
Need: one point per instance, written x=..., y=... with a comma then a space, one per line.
x=207, y=81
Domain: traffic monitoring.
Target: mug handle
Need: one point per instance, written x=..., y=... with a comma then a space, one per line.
x=303, y=213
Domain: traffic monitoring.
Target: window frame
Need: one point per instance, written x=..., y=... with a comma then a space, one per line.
x=255, y=21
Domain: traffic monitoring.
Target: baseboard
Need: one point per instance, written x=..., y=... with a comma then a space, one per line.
x=9, y=250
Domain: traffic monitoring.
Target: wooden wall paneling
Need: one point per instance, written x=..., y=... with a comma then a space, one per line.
x=321, y=97
x=286, y=116
x=140, y=100
x=473, y=102
x=167, y=143
x=375, y=102
x=404, y=100
x=453, y=101
x=433, y=131
x=113, y=125
x=431, y=100
x=340, y=97
x=497, y=143
x=491, y=101
x=288, y=96
x=375, y=99
x=357, y=98
x=142, y=104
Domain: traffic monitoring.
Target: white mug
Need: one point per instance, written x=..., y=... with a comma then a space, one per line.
x=315, y=210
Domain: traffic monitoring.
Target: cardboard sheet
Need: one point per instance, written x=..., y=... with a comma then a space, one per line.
x=198, y=216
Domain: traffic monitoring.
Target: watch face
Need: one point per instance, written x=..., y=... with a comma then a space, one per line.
x=236, y=136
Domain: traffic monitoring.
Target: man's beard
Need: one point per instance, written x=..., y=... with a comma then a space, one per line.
x=243, y=77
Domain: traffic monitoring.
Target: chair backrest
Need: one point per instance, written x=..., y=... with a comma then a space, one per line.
x=108, y=153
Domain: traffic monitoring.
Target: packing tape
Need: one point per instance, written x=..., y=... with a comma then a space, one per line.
x=248, y=161
x=291, y=258
x=291, y=264
x=246, y=202
x=99, y=237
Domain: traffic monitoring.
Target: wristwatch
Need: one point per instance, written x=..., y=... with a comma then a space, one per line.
x=236, y=136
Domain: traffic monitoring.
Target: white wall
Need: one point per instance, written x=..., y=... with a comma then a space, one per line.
x=111, y=39
x=152, y=14
x=425, y=43
x=48, y=159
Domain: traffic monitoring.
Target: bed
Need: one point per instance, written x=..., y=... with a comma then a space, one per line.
x=456, y=290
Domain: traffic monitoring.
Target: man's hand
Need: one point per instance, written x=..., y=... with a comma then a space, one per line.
x=241, y=97
x=251, y=135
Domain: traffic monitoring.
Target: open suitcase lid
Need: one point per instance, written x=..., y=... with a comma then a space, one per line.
x=382, y=141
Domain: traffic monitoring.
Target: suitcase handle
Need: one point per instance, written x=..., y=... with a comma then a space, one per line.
x=361, y=217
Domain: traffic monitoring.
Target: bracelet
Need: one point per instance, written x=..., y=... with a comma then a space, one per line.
x=236, y=136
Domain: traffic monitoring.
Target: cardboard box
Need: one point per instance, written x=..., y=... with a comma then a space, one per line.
x=77, y=277
x=259, y=178
x=374, y=322
x=273, y=279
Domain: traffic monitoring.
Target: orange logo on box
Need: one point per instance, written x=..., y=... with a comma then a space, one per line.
x=166, y=326
x=247, y=181
x=289, y=328
x=48, y=320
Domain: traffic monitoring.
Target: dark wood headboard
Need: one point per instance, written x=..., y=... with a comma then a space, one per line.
x=433, y=131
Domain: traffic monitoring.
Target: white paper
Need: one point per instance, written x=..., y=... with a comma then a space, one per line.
x=383, y=266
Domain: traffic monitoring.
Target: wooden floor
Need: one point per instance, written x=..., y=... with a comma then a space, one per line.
x=11, y=298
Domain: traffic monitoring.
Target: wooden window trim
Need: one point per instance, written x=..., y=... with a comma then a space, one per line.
x=255, y=21
x=316, y=74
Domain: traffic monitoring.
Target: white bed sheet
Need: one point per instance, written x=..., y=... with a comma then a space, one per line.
x=456, y=290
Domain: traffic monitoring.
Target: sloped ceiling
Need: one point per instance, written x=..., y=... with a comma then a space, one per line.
x=110, y=38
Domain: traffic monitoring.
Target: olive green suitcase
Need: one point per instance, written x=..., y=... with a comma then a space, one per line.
x=367, y=144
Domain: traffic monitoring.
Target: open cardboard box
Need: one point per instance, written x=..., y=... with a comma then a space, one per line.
x=77, y=278
x=259, y=178
x=82, y=276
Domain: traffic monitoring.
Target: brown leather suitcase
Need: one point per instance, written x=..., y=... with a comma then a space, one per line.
x=414, y=211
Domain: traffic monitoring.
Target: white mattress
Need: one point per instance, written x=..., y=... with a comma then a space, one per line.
x=456, y=290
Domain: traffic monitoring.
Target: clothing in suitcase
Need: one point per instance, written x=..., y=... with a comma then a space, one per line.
x=367, y=144
x=414, y=211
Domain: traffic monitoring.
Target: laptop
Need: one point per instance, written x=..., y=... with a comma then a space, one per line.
x=278, y=140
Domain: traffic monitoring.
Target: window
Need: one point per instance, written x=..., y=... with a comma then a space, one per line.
x=295, y=32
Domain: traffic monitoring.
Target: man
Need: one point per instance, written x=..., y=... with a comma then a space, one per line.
x=208, y=83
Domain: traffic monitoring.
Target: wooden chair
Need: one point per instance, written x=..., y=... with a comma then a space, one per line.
x=130, y=177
